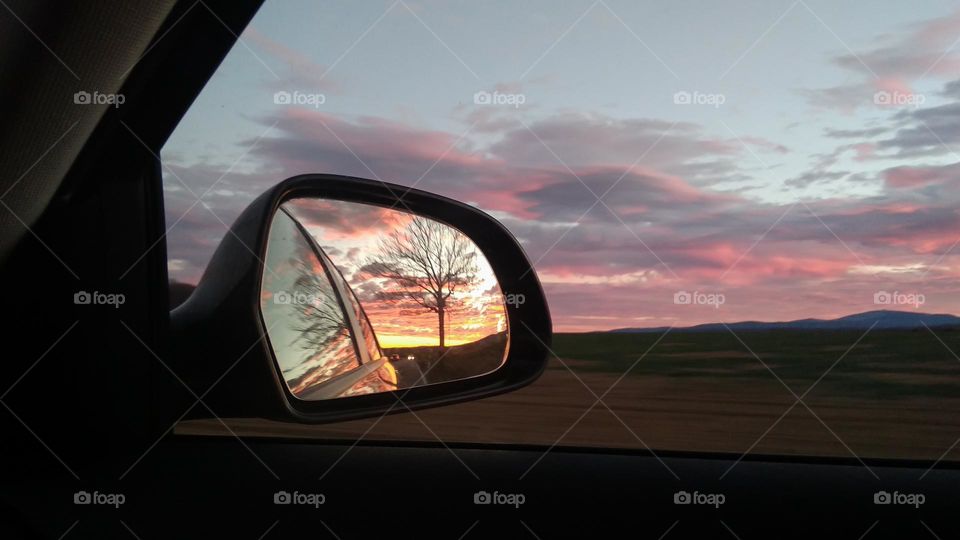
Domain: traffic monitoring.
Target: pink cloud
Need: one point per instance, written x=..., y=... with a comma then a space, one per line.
x=664, y=231
x=295, y=69
x=864, y=151
x=921, y=50
x=910, y=177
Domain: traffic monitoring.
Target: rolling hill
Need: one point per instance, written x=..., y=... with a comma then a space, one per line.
x=879, y=320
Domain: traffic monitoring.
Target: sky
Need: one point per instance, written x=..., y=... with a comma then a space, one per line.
x=660, y=163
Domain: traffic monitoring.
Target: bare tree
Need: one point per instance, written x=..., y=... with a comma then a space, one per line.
x=427, y=262
x=321, y=323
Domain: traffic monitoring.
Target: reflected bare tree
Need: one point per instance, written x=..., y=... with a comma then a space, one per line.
x=320, y=321
x=427, y=262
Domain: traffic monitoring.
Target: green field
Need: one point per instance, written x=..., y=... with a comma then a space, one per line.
x=884, y=364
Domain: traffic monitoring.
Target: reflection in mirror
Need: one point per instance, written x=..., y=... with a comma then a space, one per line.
x=359, y=299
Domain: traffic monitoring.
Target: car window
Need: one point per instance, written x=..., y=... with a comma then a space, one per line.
x=302, y=311
x=744, y=215
x=369, y=338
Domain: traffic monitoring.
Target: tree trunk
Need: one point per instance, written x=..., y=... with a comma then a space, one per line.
x=440, y=317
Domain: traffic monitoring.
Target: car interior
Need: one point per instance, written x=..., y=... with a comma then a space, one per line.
x=374, y=350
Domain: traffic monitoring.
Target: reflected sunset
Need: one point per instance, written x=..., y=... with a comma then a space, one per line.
x=352, y=235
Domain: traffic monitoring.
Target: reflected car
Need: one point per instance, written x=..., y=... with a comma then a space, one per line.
x=332, y=348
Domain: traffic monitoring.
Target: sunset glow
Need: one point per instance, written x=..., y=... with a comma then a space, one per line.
x=349, y=234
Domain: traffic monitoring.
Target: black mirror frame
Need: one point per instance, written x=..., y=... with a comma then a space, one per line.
x=209, y=328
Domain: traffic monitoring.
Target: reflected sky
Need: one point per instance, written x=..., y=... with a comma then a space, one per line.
x=349, y=234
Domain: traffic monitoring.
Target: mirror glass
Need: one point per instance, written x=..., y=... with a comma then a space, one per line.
x=359, y=299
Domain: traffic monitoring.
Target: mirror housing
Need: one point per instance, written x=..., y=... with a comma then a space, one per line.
x=222, y=350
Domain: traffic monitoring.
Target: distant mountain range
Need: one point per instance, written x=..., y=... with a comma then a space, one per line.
x=883, y=319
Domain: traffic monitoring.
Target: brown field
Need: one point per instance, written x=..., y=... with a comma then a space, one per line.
x=695, y=401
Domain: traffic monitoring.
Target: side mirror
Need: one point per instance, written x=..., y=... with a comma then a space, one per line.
x=334, y=298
